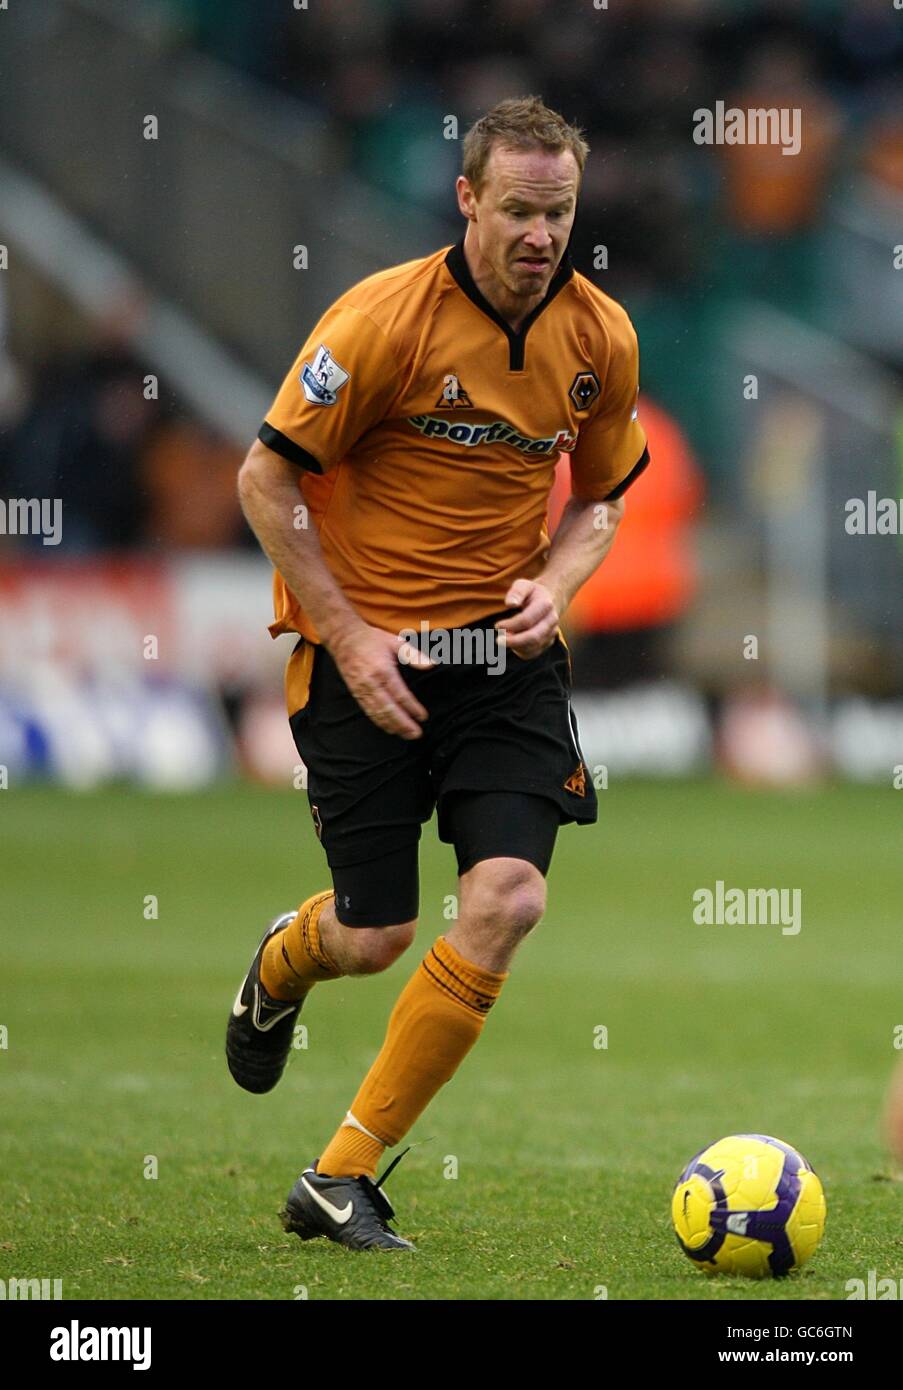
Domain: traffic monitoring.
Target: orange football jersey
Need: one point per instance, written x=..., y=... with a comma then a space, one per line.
x=427, y=432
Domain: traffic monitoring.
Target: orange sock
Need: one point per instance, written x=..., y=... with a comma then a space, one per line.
x=437, y=1019
x=295, y=959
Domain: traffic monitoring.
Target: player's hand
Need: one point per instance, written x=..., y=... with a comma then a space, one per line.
x=368, y=662
x=534, y=628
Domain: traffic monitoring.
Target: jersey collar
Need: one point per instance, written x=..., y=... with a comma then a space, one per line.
x=460, y=272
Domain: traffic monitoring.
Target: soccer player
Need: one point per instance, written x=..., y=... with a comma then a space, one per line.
x=417, y=432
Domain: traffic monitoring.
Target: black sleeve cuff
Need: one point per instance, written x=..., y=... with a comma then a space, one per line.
x=287, y=448
x=632, y=476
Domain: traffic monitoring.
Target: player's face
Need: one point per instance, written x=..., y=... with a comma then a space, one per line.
x=524, y=214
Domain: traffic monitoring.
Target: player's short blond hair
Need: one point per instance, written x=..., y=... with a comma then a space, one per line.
x=521, y=123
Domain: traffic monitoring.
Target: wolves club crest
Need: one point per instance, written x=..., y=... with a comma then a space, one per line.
x=584, y=390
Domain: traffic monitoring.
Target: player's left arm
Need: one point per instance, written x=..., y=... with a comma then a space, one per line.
x=584, y=537
x=611, y=454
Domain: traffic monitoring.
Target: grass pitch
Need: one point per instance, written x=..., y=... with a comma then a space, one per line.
x=565, y=1152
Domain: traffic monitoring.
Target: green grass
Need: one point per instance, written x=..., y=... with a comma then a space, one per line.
x=566, y=1154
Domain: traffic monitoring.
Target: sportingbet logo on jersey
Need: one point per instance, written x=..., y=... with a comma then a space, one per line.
x=499, y=432
x=323, y=378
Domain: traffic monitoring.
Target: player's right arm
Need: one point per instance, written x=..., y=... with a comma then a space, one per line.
x=366, y=657
x=340, y=385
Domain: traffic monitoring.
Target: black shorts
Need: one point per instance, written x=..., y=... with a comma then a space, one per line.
x=508, y=731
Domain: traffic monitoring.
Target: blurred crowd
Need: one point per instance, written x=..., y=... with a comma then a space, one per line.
x=388, y=72
x=96, y=428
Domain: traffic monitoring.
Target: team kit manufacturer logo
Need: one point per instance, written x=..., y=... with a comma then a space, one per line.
x=453, y=397
x=576, y=783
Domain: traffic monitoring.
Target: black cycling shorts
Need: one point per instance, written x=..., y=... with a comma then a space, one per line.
x=492, y=728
